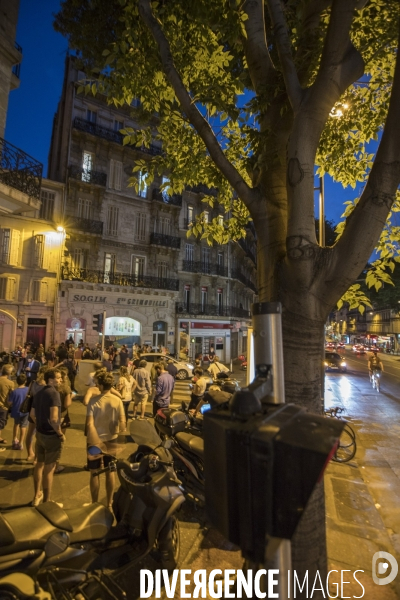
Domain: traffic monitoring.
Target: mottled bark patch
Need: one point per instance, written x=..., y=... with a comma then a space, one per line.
x=300, y=248
x=295, y=172
x=381, y=199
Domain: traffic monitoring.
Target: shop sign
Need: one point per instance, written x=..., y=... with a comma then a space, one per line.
x=184, y=325
x=219, y=290
x=37, y=322
x=74, y=323
x=204, y=288
x=124, y=301
x=203, y=325
x=187, y=287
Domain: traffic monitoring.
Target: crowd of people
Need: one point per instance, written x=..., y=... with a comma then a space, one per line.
x=38, y=388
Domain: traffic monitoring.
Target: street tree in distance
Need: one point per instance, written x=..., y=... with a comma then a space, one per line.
x=251, y=95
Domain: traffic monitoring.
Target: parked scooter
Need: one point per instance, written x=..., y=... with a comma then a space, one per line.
x=188, y=445
x=36, y=539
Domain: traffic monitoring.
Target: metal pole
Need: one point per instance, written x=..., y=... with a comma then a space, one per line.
x=103, y=334
x=268, y=345
x=268, y=350
x=321, y=213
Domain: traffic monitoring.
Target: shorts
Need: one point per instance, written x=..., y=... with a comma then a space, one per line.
x=48, y=448
x=22, y=420
x=104, y=460
x=3, y=418
x=140, y=399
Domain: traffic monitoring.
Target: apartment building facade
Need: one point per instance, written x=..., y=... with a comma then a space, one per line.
x=127, y=251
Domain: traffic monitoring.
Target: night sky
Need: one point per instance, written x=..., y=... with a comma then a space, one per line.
x=32, y=106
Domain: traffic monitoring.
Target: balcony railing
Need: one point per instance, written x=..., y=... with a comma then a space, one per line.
x=19, y=170
x=211, y=310
x=160, y=239
x=174, y=200
x=248, y=249
x=121, y=279
x=202, y=189
x=86, y=225
x=111, y=135
x=205, y=268
x=86, y=176
x=237, y=274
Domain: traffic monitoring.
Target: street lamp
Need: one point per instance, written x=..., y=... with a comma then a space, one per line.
x=60, y=229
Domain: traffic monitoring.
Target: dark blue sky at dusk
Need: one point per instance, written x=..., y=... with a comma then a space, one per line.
x=32, y=106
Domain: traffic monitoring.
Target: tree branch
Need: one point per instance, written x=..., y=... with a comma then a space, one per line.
x=368, y=218
x=255, y=46
x=289, y=72
x=247, y=194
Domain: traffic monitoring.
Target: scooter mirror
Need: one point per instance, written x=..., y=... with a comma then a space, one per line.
x=57, y=543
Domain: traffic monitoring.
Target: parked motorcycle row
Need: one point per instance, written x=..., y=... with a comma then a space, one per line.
x=68, y=553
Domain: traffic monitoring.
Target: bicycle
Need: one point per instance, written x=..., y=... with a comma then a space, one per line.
x=347, y=446
x=376, y=379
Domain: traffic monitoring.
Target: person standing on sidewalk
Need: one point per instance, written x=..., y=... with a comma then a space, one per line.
x=142, y=390
x=16, y=400
x=164, y=388
x=46, y=413
x=105, y=418
x=6, y=387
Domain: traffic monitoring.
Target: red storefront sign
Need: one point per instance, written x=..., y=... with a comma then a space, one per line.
x=203, y=325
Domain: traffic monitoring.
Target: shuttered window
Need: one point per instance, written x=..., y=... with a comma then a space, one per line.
x=112, y=220
x=9, y=246
x=38, y=250
x=7, y=288
x=85, y=206
x=140, y=227
x=39, y=290
x=47, y=206
x=115, y=178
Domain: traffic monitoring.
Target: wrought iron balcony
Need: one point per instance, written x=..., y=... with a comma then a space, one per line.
x=243, y=243
x=121, y=279
x=211, y=310
x=19, y=170
x=206, y=268
x=86, y=225
x=159, y=196
x=160, y=239
x=202, y=189
x=106, y=133
x=237, y=274
x=87, y=176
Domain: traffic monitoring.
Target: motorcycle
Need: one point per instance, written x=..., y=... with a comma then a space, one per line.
x=185, y=431
x=34, y=539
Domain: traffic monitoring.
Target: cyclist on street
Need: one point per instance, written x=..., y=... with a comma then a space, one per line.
x=374, y=362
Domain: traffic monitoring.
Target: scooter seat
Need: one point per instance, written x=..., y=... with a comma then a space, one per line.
x=192, y=443
x=29, y=528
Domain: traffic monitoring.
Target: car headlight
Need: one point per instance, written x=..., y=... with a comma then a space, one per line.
x=343, y=364
x=325, y=363
x=189, y=366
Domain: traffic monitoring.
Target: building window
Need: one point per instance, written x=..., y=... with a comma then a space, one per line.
x=220, y=220
x=137, y=266
x=220, y=300
x=115, y=179
x=112, y=220
x=189, y=252
x=162, y=269
x=165, y=187
x=118, y=125
x=220, y=259
x=87, y=166
x=205, y=255
x=79, y=258
x=8, y=287
x=85, y=208
x=187, y=297
x=164, y=225
x=142, y=189
x=38, y=250
x=39, y=290
x=109, y=266
x=47, y=206
x=204, y=299
x=91, y=115
x=9, y=246
x=189, y=215
x=140, y=227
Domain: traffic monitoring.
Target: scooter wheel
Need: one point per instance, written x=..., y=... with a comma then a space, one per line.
x=169, y=544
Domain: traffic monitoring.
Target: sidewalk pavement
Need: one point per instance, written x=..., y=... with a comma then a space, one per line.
x=362, y=497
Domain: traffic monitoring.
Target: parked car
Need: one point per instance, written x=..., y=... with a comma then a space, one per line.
x=335, y=362
x=185, y=369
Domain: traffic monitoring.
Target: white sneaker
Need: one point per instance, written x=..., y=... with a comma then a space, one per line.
x=37, y=500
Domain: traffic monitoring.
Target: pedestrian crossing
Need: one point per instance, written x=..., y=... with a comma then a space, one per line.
x=181, y=393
